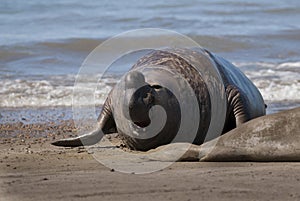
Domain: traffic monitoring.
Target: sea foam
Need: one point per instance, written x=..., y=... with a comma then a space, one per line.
x=276, y=82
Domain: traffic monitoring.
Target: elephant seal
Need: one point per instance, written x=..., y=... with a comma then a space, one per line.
x=243, y=100
x=270, y=138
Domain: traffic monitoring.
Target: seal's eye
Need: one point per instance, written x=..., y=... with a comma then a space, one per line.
x=145, y=95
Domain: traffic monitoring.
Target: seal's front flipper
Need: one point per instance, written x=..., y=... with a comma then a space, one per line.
x=87, y=139
x=237, y=106
x=106, y=121
x=106, y=125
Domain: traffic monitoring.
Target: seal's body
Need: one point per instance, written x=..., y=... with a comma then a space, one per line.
x=243, y=100
x=270, y=138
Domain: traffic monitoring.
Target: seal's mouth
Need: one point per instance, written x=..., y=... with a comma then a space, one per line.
x=142, y=124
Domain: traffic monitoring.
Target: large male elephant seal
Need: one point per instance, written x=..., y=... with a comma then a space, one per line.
x=243, y=100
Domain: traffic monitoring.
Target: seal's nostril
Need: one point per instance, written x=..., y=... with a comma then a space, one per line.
x=142, y=124
x=156, y=86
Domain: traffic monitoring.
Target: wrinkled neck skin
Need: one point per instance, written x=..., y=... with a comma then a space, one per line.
x=139, y=107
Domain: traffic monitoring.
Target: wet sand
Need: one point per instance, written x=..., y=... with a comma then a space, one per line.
x=32, y=169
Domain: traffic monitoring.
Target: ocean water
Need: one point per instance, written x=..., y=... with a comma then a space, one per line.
x=43, y=43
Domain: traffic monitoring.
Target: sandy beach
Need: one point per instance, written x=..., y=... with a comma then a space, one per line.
x=32, y=169
x=43, y=45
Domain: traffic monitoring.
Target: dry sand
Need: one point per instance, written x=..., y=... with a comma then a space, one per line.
x=32, y=169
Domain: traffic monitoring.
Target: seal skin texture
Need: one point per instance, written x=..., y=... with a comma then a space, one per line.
x=243, y=100
x=270, y=138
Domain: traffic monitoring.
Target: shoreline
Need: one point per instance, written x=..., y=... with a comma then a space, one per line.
x=46, y=114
